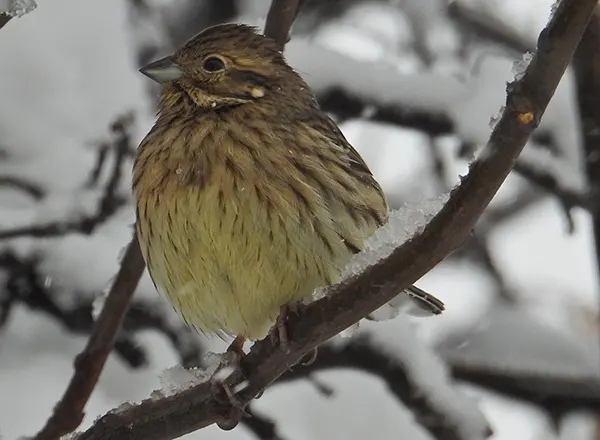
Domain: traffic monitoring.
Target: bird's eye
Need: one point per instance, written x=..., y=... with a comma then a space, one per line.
x=213, y=64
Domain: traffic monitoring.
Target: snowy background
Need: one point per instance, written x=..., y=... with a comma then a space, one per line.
x=413, y=92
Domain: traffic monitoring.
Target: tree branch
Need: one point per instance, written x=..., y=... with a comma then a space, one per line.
x=197, y=407
x=88, y=365
x=557, y=394
x=31, y=189
x=280, y=18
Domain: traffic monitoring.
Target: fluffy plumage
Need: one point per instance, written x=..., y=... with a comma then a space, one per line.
x=248, y=196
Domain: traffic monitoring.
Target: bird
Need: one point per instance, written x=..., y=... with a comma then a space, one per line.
x=248, y=196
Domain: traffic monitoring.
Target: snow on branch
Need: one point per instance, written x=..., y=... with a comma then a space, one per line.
x=14, y=8
x=528, y=96
x=17, y=8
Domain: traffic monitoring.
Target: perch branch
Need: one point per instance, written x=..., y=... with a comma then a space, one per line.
x=196, y=407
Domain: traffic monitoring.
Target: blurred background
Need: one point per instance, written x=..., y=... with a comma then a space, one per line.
x=416, y=86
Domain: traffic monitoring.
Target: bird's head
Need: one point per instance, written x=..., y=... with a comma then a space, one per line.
x=225, y=65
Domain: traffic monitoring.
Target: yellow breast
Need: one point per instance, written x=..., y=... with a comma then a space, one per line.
x=233, y=230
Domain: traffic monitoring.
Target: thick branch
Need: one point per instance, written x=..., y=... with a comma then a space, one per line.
x=280, y=18
x=196, y=407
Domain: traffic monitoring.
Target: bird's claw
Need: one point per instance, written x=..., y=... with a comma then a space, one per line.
x=223, y=393
x=280, y=332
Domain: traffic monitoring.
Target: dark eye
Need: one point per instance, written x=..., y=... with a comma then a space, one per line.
x=213, y=64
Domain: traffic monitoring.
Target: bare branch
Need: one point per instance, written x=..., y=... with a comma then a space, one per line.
x=280, y=18
x=557, y=393
x=262, y=428
x=30, y=188
x=88, y=365
x=196, y=407
x=488, y=27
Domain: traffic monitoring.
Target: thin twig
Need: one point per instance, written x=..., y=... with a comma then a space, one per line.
x=31, y=189
x=549, y=183
x=197, y=406
x=262, y=428
x=488, y=27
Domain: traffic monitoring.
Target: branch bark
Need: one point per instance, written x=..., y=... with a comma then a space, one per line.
x=196, y=407
x=4, y=18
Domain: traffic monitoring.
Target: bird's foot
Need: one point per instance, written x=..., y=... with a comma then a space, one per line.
x=310, y=357
x=223, y=392
x=280, y=331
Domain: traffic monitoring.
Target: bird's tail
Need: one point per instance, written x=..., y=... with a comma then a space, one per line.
x=412, y=301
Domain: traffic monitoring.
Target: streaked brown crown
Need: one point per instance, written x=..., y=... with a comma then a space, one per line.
x=238, y=41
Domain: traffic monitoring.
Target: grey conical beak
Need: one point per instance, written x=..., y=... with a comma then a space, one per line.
x=163, y=70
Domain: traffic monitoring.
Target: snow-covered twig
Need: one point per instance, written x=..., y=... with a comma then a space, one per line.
x=14, y=8
x=196, y=407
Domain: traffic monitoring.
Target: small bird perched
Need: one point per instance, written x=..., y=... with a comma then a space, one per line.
x=248, y=195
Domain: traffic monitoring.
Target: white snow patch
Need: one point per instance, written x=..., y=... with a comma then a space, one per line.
x=17, y=8
x=403, y=223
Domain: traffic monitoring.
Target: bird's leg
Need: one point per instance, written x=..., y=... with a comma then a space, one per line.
x=280, y=333
x=223, y=392
x=236, y=349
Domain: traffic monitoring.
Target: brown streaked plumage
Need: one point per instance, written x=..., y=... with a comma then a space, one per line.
x=248, y=196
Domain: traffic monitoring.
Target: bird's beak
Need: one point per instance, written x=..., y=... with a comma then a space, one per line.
x=163, y=70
